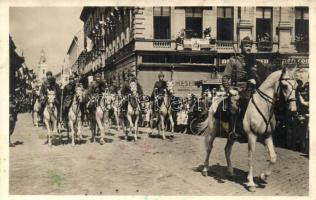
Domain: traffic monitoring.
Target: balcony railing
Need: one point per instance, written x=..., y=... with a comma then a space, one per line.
x=265, y=46
x=162, y=44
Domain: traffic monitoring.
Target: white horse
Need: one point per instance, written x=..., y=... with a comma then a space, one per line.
x=116, y=106
x=36, y=109
x=50, y=114
x=133, y=110
x=74, y=115
x=259, y=120
x=165, y=110
x=106, y=106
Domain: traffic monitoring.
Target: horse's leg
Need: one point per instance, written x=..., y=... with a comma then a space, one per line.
x=79, y=127
x=209, y=140
x=162, y=123
x=136, y=127
x=71, y=127
x=171, y=124
x=273, y=157
x=228, y=151
x=130, y=124
x=48, y=132
x=102, y=133
x=117, y=121
x=251, y=149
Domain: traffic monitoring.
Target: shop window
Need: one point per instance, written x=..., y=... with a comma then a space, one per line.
x=225, y=23
x=161, y=22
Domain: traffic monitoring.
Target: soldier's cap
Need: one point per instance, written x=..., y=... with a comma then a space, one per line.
x=97, y=75
x=161, y=74
x=246, y=40
x=49, y=73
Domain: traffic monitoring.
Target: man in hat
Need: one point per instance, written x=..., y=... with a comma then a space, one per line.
x=69, y=91
x=126, y=90
x=97, y=88
x=239, y=78
x=158, y=92
x=49, y=84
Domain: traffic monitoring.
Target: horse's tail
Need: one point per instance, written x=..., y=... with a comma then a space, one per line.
x=203, y=127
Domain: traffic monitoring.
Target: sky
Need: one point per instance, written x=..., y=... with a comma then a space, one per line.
x=49, y=28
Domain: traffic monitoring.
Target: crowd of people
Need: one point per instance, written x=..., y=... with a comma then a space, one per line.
x=242, y=76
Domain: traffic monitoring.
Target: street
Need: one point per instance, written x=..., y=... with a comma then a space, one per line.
x=151, y=166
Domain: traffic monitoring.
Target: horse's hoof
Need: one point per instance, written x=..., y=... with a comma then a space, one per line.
x=204, y=172
x=251, y=188
x=230, y=172
x=263, y=177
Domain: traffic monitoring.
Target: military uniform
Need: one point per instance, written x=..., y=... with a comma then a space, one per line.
x=126, y=91
x=239, y=71
x=68, y=94
x=50, y=85
x=157, y=95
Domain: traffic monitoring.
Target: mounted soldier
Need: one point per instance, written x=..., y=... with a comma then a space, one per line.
x=158, y=93
x=242, y=75
x=96, y=89
x=126, y=90
x=69, y=91
x=49, y=84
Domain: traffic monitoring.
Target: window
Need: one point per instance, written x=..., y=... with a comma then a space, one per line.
x=301, y=29
x=193, y=22
x=161, y=22
x=225, y=23
x=264, y=24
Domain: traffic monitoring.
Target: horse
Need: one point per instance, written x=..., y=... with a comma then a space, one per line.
x=106, y=106
x=165, y=110
x=74, y=115
x=36, y=109
x=147, y=113
x=257, y=121
x=96, y=115
x=133, y=110
x=50, y=114
x=116, y=107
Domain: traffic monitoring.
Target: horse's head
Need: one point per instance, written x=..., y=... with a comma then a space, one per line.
x=170, y=87
x=51, y=97
x=107, y=98
x=133, y=87
x=79, y=94
x=288, y=85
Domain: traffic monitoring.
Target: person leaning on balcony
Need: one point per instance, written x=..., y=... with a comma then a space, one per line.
x=239, y=78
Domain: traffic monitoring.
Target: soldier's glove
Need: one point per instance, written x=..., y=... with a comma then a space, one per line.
x=233, y=92
x=252, y=81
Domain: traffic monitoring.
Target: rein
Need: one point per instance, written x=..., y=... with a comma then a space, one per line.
x=270, y=100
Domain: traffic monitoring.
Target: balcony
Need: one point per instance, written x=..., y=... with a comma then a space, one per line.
x=155, y=44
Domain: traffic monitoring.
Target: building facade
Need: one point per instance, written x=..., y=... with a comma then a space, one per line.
x=188, y=44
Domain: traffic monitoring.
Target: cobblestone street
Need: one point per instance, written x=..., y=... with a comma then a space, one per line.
x=149, y=167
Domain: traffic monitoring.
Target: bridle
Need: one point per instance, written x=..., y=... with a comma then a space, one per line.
x=271, y=100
